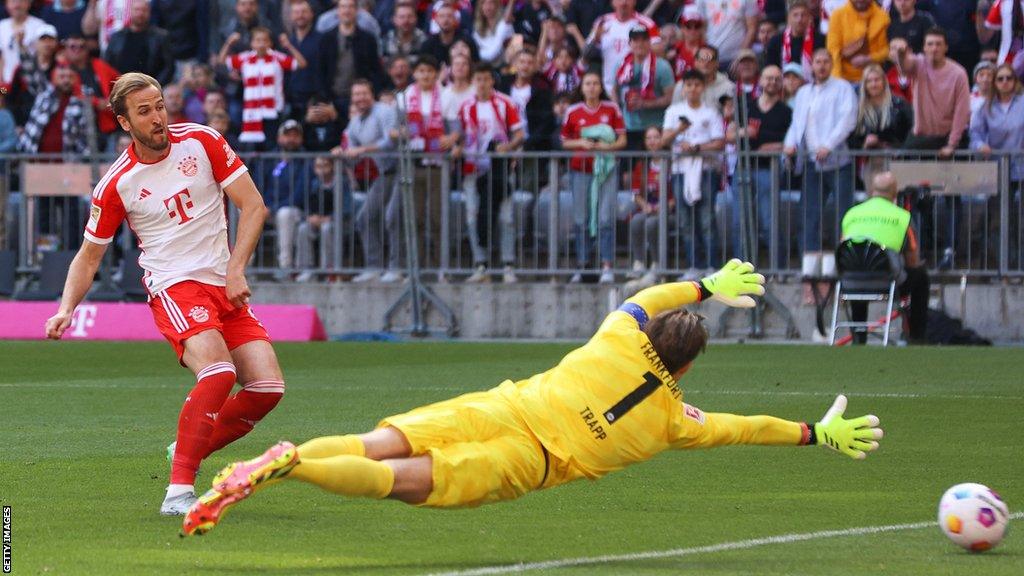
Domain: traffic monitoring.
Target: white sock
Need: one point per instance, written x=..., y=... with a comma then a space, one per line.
x=179, y=489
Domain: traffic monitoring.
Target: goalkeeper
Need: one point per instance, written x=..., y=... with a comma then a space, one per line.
x=613, y=402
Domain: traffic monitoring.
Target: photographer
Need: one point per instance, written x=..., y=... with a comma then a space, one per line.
x=881, y=221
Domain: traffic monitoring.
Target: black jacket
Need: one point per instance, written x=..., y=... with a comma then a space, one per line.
x=540, y=115
x=365, y=56
x=159, y=64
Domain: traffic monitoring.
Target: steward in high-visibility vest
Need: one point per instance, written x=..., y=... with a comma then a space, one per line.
x=880, y=220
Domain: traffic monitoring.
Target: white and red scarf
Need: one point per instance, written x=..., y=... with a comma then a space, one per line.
x=562, y=82
x=806, y=52
x=648, y=70
x=431, y=128
x=477, y=144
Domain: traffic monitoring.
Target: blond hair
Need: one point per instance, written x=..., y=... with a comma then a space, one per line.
x=128, y=84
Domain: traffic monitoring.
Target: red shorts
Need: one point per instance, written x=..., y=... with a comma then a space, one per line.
x=188, y=308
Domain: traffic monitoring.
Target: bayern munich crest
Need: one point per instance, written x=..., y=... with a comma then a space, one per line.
x=189, y=166
x=199, y=314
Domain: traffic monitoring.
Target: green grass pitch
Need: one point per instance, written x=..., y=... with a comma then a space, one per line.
x=83, y=428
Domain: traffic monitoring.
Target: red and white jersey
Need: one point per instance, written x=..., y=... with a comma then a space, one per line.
x=615, y=42
x=262, y=81
x=176, y=207
x=579, y=116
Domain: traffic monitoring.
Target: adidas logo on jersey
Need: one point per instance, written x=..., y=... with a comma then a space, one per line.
x=144, y=194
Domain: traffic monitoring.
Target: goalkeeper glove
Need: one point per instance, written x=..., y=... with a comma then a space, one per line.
x=733, y=284
x=855, y=437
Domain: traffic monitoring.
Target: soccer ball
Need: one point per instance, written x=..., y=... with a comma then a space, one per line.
x=973, y=516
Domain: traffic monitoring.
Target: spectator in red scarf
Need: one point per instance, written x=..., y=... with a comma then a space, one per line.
x=644, y=85
x=797, y=41
x=692, y=26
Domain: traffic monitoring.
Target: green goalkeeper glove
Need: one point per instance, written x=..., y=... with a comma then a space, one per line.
x=733, y=284
x=855, y=437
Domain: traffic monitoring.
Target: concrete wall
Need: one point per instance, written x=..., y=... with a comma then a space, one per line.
x=552, y=311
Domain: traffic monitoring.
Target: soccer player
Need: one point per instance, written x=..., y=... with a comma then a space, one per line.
x=170, y=184
x=611, y=403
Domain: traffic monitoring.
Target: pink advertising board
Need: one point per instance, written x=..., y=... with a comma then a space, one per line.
x=133, y=321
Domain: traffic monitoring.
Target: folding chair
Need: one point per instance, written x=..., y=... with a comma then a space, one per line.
x=868, y=272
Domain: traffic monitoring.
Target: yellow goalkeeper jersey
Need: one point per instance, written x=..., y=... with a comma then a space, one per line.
x=612, y=402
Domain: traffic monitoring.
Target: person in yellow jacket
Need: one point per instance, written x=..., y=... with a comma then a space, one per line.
x=613, y=402
x=857, y=36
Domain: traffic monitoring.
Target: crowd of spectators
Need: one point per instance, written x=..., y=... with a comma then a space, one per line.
x=819, y=78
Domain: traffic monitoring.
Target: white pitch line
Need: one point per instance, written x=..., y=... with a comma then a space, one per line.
x=677, y=552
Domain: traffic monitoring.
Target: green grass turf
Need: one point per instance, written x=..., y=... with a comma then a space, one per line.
x=83, y=428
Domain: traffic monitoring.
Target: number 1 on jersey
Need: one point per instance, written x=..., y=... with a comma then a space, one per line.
x=629, y=401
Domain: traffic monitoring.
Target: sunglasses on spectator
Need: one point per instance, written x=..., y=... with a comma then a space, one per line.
x=1004, y=78
x=705, y=58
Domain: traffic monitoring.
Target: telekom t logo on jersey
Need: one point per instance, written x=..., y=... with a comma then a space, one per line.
x=178, y=204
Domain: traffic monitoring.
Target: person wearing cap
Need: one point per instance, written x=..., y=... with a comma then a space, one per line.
x=32, y=76
x=643, y=87
x=857, y=37
x=797, y=41
x=692, y=25
x=744, y=72
x=610, y=39
x=284, y=185
x=555, y=36
x=139, y=47
x=984, y=77
x=732, y=26
x=19, y=29
x=792, y=80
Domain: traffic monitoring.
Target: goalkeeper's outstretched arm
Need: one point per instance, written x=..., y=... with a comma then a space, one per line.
x=733, y=285
x=855, y=437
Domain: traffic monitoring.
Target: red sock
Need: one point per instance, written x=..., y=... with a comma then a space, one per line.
x=243, y=410
x=213, y=384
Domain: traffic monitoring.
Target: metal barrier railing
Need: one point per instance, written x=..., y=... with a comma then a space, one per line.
x=552, y=215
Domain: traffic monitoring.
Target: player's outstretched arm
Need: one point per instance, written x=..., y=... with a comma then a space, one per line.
x=733, y=285
x=80, y=275
x=253, y=212
x=853, y=437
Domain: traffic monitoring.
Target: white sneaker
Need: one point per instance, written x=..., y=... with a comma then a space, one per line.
x=307, y=276
x=576, y=278
x=637, y=271
x=509, y=277
x=391, y=276
x=480, y=276
x=367, y=276
x=607, y=277
x=177, y=505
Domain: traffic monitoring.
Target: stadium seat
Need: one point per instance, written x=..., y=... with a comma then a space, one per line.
x=868, y=272
x=8, y=271
x=52, y=273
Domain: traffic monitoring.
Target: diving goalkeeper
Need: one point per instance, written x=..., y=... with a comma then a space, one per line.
x=613, y=402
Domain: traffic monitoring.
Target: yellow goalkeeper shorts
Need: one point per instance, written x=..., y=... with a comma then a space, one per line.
x=482, y=450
